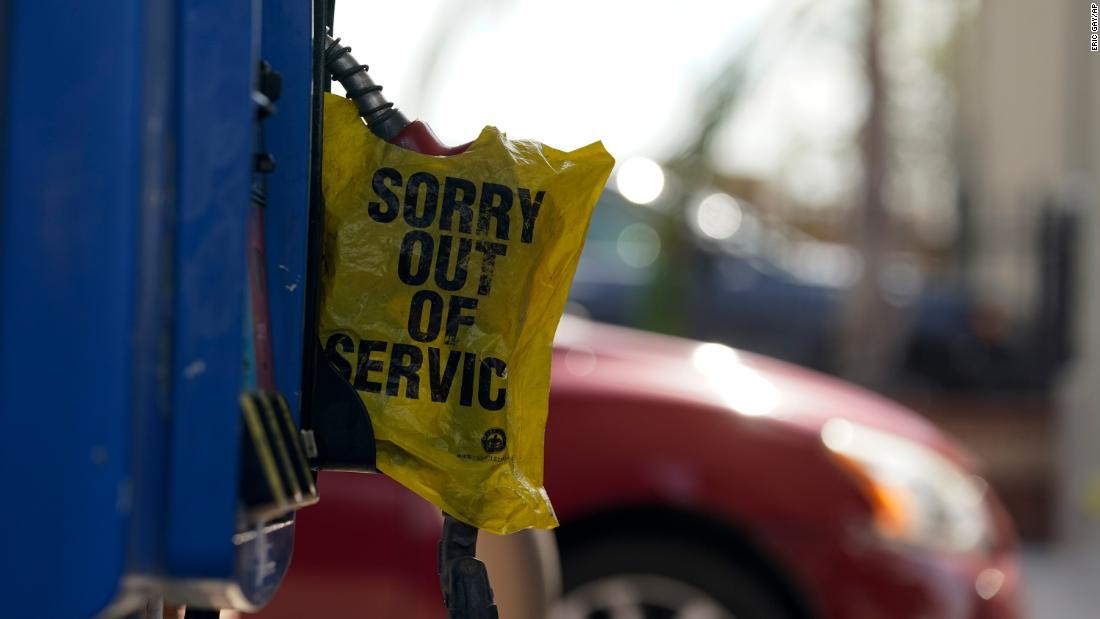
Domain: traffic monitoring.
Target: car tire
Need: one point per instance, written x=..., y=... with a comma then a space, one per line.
x=640, y=578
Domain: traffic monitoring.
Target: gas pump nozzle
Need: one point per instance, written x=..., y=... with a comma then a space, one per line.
x=463, y=578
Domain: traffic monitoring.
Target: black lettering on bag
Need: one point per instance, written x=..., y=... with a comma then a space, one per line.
x=496, y=201
x=424, y=263
x=466, y=393
x=434, y=301
x=367, y=365
x=490, y=366
x=440, y=383
x=488, y=264
x=455, y=317
x=530, y=212
x=412, y=197
x=405, y=362
x=375, y=209
x=337, y=343
x=443, y=263
x=452, y=202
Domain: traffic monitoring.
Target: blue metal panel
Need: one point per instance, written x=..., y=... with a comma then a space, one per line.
x=287, y=45
x=69, y=208
x=217, y=60
x=124, y=197
x=153, y=303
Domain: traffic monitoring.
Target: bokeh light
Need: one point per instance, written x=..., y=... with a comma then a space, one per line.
x=640, y=180
x=638, y=245
x=718, y=216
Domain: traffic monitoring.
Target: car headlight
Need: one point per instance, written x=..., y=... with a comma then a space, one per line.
x=918, y=496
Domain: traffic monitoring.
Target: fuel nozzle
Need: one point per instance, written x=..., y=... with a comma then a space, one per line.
x=463, y=578
x=383, y=119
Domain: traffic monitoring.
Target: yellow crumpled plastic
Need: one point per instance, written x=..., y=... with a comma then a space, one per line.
x=397, y=312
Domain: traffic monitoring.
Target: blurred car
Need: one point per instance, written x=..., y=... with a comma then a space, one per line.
x=694, y=480
x=753, y=282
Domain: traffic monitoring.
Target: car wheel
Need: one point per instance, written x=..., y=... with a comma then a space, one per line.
x=656, y=579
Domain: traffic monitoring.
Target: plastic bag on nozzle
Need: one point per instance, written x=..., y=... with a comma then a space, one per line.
x=444, y=280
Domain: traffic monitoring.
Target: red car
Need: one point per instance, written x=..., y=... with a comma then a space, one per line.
x=693, y=480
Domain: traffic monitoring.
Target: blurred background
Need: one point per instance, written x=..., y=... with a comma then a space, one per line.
x=897, y=193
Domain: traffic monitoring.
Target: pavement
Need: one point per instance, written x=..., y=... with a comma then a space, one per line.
x=1060, y=583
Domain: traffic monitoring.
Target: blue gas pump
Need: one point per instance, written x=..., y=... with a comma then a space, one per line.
x=138, y=142
x=164, y=400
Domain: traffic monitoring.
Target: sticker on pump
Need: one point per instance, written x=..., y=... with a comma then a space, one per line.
x=444, y=280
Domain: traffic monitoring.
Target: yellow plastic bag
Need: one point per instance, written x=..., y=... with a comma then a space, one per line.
x=443, y=284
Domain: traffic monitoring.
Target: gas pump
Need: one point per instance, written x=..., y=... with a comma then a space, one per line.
x=164, y=398
x=125, y=208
